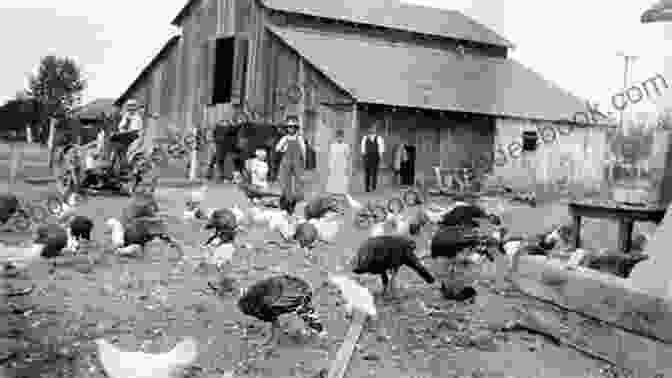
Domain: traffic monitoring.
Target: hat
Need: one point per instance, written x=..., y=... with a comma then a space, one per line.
x=292, y=122
x=132, y=104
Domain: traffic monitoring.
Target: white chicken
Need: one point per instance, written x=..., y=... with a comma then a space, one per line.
x=221, y=255
x=327, y=229
x=435, y=213
x=123, y=364
x=377, y=229
x=20, y=257
x=354, y=204
x=283, y=224
x=240, y=214
x=198, y=196
x=401, y=225
x=355, y=295
x=257, y=215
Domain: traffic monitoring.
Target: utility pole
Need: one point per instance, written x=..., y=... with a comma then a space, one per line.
x=628, y=60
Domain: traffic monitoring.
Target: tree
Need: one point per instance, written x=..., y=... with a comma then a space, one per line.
x=57, y=87
x=15, y=115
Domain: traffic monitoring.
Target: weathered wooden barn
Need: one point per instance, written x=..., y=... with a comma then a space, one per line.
x=436, y=79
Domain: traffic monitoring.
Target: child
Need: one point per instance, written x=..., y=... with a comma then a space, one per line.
x=258, y=169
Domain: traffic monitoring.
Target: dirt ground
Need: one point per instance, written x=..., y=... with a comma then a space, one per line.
x=151, y=302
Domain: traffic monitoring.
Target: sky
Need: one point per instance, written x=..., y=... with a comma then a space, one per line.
x=573, y=43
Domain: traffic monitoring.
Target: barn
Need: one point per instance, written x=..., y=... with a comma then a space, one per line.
x=438, y=81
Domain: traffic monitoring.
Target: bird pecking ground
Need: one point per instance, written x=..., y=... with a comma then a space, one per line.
x=149, y=303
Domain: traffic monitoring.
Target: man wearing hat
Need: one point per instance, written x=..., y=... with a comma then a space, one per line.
x=373, y=148
x=130, y=127
x=292, y=165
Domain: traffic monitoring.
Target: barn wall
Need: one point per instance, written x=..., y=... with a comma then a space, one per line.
x=445, y=141
x=575, y=159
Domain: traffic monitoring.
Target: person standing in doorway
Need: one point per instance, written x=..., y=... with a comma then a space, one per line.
x=373, y=148
x=293, y=149
x=339, y=161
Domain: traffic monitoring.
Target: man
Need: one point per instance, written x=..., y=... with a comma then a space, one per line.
x=293, y=149
x=224, y=144
x=127, y=132
x=373, y=148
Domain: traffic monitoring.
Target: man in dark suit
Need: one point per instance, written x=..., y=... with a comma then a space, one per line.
x=373, y=147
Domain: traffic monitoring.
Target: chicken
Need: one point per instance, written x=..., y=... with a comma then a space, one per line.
x=288, y=204
x=327, y=229
x=377, y=229
x=54, y=237
x=224, y=224
x=355, y=295
x=18, y=257
x=417, y=222
x=306, y=235
x=198, y=196
x=378, y=255
x=9, y=204
x=222, y=255
x=435, y=213
x=241, y=218
x=272, y=297
x=253, y=192
x=124, y=364
x=280, y=222
x=139, y=232
x=319, y=206
x=354, y=204
x=257, y=215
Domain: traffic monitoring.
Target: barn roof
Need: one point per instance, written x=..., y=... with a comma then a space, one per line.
x=420, y=77
x=391, y=14
x=167, y=47
x=395, y=14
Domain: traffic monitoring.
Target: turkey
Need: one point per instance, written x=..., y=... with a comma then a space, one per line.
x=450, y=242
x=319, y=206
x=457, y=292
x=468, y=215
x=288, y=204
x=139, y=232
x=306, y=235
x=614, y=262
x=124, y=364
x=272, y=297
x=81, y=227
x=54, y=237
x=224, y=224
x=9, y=205
x=378, y=255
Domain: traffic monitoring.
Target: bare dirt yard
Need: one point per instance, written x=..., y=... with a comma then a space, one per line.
x=149, y=303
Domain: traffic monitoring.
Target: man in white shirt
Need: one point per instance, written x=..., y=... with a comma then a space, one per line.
x=373, y=147
x=129, y=129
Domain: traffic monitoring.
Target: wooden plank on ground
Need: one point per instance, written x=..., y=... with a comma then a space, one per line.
x=602, y=296
x=340, y=365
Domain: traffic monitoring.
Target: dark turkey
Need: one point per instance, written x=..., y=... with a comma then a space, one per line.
x=272, y=297
x=468, y=215
x=288, y=203
x=223, y=223
x=9, y=204
x=417, y=222
x=380, y=254
x=141, y=231
x=457, y=292
x=306, y=234
x=616, y=263
x=449, y=242
x=54, y=237
x=81, y=227
x=319, y=206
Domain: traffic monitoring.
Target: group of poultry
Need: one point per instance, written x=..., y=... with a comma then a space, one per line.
x=455, y=231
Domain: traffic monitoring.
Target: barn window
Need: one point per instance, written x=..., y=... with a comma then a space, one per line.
x=530, y=140
x=223, y=77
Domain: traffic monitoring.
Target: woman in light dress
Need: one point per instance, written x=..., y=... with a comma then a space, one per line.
x=339, y=161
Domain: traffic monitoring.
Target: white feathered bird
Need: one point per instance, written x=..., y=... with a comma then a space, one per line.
x=123, y=364
x=222, y=255
x=327, y=229
x=377, y=229
x=199, y=195
x=355, y=295
x=283, y=224
x=354, y=204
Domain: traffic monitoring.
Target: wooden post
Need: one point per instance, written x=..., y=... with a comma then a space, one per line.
x=340, y=365
x=14, y=158
x=50, y=141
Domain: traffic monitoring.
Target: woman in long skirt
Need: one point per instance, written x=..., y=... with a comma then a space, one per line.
x=339, y=160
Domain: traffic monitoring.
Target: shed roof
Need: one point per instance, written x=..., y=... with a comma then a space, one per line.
x=420, y=77
x=395, y=14
x=167, y=47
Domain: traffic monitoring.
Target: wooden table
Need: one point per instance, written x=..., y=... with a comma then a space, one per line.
x=626, y=215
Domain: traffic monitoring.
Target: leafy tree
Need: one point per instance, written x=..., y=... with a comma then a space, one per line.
x=15, y=114
x=57, y=87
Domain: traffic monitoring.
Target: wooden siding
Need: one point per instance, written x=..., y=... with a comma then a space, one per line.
x=578, y=158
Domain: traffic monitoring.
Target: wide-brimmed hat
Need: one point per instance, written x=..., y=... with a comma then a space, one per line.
x=292, y=122
x=132, y=104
